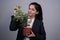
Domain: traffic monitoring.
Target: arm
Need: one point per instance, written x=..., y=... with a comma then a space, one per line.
x=14, y=25
x=42, y=34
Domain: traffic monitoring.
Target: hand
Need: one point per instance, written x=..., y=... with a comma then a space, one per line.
x=31, y=35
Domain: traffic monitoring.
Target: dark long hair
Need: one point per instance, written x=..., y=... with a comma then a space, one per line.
x=39, y=9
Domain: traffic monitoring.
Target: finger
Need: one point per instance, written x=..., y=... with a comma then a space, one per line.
x=30, y=35
x=32, y=32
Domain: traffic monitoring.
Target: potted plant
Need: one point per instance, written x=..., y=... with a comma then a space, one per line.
x=24, y=18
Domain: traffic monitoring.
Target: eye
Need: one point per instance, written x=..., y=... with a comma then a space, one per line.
x=32, y=9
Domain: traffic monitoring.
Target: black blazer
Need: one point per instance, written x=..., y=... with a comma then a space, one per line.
x=37, y=28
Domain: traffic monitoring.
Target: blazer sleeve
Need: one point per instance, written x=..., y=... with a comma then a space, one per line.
x=14, y=25
x=42, y=34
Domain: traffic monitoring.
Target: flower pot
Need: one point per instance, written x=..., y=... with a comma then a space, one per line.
x=26, y=31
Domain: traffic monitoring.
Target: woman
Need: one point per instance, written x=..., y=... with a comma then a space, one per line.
x=36, y=19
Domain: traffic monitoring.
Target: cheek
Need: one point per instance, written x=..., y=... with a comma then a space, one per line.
x=31, y=12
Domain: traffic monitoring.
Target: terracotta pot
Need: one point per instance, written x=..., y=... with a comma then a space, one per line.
x=26, y=31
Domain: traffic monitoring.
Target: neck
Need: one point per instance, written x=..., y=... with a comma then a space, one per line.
x=32, y=17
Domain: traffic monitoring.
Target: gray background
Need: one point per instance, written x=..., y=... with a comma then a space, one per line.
x=51, y=15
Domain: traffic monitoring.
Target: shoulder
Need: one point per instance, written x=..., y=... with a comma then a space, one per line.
x=39, y=22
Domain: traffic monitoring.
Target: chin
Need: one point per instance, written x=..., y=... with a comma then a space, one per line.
x=30, y=15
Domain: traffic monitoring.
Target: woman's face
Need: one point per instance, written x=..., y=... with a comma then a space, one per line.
x=32, y=11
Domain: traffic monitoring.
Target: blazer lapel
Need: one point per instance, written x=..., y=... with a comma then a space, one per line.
x=34, y=24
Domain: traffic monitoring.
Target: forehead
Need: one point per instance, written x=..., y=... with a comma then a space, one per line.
x=32, y=6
